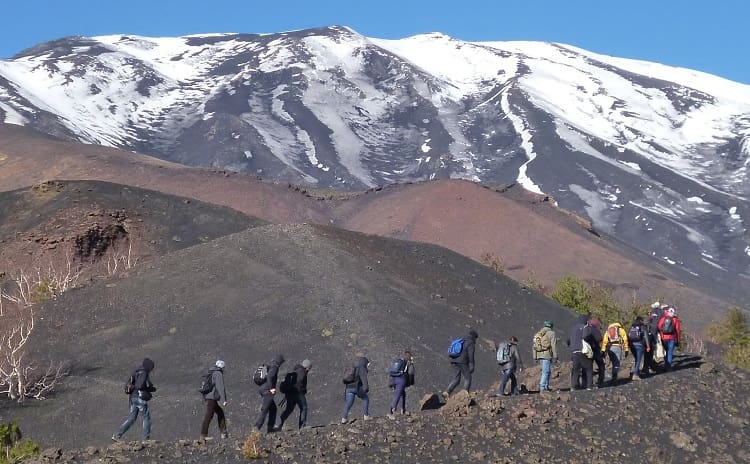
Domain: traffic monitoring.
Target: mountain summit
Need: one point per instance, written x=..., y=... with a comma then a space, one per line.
x=654, y=155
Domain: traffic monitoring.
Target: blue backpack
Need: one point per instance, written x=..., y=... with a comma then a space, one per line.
x=398, y=368
x=456, y=347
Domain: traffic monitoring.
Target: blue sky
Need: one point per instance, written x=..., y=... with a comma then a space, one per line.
x=705, y=35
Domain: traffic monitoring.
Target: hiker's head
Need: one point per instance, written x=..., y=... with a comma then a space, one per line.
x=513, y=340
x=148, y=365
x=473, y=334
x=671, y=311
x=548, y=324
x=664, y=307
x=595, y=323
x=220, y=364
x=654, y=315
x=639, y=319
x=279, y=359
x=656, y=305
x=307, y=364
x=408, y=356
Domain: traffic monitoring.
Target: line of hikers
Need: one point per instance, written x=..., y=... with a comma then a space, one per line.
x=648, y=341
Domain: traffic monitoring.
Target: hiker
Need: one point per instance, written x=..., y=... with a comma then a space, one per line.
x=213, y=398
x=267, y=391
x=139, y=389
x=615, y=344
x=639, y=345
x=670, y=330
x=355, y=380
x=294, y=388
x=649, y=361
x=596, y=335
x=582, y=366
x=509, y=360
x=462, y=360
x=401, y=376
x=545, y=352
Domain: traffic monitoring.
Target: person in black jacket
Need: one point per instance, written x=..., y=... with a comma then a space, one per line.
x=598, y=338
x=649, y=363
x=213, y=399
x=142, y=388
x=463, y=365
x=583, y=367
x=267, y=391
x=295, y=389
x=359, y=387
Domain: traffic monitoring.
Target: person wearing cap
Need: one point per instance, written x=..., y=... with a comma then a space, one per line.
x=545, y=352
x=267, y=390
x=463, y=365
x=216, y=401
x=598, y=339
x=670, y=330
x=140, y=390
x=295, y=391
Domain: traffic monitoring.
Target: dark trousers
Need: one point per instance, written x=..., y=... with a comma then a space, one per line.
x=399, y=393
x=268, y=408
x=599, y=360
x=292, y=400
x=649, y=363
x=212, y=407
x=508, y=374
x=460, y=370
x=583, y=367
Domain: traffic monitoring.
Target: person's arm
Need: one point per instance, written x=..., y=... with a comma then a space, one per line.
x=363, y=379
x=471, y=356
x=605, y=341
x=553, y=344
x=678, y=330
x=219, y=385
x=624, y=336
x=519, y=361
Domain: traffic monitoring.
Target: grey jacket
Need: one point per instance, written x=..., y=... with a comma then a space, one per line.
x=219, y=393
x=515, y=358
x=360, y=379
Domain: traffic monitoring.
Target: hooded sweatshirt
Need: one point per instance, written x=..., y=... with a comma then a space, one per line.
x=360, y=377
x=273, y=374
x=515, y=358
x=467, y=354
x=143, y=386
x=219, y=392
x=580, y=331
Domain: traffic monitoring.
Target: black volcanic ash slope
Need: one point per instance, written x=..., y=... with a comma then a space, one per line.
x=305, y=291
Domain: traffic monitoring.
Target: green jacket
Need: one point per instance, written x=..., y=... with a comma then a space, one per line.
x=550, y=353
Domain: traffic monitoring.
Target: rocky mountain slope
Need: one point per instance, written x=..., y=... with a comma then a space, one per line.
x=653, y=155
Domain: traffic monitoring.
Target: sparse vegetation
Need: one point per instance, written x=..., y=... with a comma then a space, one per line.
x=15, y=448
x=594, y=300
x=493, y=261
x=251, y=448
x=734, y=334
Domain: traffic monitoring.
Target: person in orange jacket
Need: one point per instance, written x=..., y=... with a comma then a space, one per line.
x=615, y=344
x=670, y=329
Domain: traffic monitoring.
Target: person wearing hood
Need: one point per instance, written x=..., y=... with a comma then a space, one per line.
x=463, y=364
x=295, y=393
x=598, y=338
x=214, y=400
x=267, y=390
x=357, y=387
x=139, y=389
x=545, y=352
x=583, y=366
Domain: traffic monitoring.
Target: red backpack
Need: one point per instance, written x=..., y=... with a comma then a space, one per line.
x=614, y=334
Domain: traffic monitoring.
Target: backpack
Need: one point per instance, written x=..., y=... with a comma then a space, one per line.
x=398, y=368
x=261, y=374
x=207, y=383
x=129, y=386
x=350, y=374
x=503, y=353
x=586, y=349
x=667, y=327
x=289, y=384
x=635, y=334
x=541, y=342
x=614, y=334
x=455, y=348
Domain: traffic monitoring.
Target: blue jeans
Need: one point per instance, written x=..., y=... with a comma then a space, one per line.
x=136, y=405
x=615, y=356
x=509, y=374
x=546, y=369
x=637, y=350
x=669, y=348
x=351, y=393
x=399, y=393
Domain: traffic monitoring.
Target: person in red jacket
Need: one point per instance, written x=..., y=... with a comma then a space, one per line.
x=670, y=329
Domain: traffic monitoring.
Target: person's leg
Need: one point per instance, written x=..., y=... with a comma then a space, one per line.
x=272, y=415
x=222, y=420
x=544, y=379
x=638, y=355
x=575, y=371
x=506, y=375
x=670, y=352
x=403, y=400
x=456, y=378
x=266, y=401
x=302, y=401
x=601, y=368
x=143, y=406
x=588, y=369
x=210, y=409
x=291, y=401
x=513, y=383
x=466, y=373
x=366, y=399
x=349, y=393
x=129, y=421
x=398, y=391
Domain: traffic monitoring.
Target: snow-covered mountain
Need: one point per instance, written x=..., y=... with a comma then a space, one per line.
x=655, y=155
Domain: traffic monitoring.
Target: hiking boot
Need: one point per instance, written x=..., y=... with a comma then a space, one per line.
x=390, y=416
x=445, y=395
x=224, y=436
x=366, y=417
x=115, y=438
x=343, y=420
x=636, y=377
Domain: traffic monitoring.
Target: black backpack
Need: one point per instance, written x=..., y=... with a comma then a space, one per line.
x=668, y=326
x=350, y=374
x=398, y=367
x=261, y=374
x=207, y=383
x=289, y=384
x=129, y=386
x=635, y=334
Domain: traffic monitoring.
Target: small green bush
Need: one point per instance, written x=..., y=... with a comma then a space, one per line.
x=734, y=334
x=15, y=449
